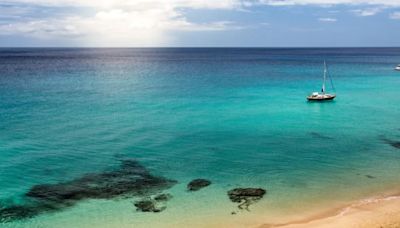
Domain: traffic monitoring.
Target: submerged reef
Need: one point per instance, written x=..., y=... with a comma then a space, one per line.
x=157, y=204
x=395, y=144
x=148, y=206
x=131, y=179
x=246, y=196
x=162, y=197
x=198, y=184
x=319, y=135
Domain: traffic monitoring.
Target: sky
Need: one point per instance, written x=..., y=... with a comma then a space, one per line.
x=199, y=23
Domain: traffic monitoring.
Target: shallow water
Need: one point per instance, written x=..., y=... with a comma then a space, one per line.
x=237, y=117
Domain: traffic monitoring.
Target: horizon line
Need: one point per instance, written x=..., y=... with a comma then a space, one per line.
x=166, y=47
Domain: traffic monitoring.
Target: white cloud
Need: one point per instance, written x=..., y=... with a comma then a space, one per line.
x=135, y=4
x=395, y=15
x=144, y=22
x=120, y=23
x=327, y=19
x=368, y=12
x=331, y=2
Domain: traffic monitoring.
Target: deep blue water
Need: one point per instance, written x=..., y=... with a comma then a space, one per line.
x=236, y=116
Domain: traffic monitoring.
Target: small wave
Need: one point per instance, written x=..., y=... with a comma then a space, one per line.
x=363, y=202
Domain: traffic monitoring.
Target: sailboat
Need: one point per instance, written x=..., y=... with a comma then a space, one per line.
x=323, y=96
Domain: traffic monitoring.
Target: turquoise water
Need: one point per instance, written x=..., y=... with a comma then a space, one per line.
x=237, y=117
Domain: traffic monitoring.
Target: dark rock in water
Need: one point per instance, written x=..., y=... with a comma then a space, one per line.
x=163, y=197
x=369, y=176
x=198, y=184
x=239, y=194
x=395, y=144
x=246, y=196
x=148, y=206
x=153, y=205
x=16, y=212
x=28, y=210
x=130, y=179
x=319, y=135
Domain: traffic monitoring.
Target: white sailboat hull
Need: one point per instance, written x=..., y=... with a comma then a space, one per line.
x=321, y=97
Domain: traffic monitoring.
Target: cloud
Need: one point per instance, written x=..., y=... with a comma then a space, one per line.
x=330, y=2
x=136, y=22
x=327, y=19
x=40, y=29
x=395, y=15
x=118, y=23
x=134, y=4
x=368, y=12
x=113, y=28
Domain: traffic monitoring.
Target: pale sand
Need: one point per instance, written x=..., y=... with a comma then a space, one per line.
x=371, y=213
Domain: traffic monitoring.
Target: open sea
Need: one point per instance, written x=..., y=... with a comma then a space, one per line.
x=235, y=116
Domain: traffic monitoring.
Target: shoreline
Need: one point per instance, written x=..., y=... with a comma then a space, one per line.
x=374, y=212
x=380, y=210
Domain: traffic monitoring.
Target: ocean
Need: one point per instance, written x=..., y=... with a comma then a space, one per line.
x=235, y=116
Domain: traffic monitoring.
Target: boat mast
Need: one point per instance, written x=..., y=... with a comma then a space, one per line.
x=323, y=84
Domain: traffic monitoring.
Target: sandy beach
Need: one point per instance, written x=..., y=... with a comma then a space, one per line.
x=369, y=213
